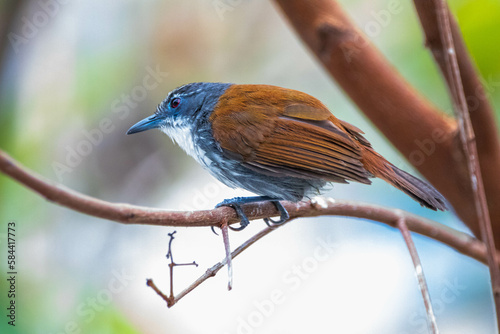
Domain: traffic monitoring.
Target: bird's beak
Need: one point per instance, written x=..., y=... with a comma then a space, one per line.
x=152, y=122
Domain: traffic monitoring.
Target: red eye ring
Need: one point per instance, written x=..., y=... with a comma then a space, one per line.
x=175, y=103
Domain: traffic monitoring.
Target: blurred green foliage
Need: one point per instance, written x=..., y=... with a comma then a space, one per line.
x=479, y=21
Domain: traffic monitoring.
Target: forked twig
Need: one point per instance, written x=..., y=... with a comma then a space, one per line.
x=212, y=271
x=171, y=265
x=419, y=272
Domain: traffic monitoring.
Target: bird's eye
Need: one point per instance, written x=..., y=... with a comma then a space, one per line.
x=175, y=103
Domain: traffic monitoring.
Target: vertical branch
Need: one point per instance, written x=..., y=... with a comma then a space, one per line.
x=422, y=283
x=467, y=138
x=227, y=247
x=171, y=265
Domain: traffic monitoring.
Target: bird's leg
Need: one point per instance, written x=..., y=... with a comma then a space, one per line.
x=236, y=203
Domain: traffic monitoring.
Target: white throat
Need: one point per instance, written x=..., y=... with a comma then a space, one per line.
x=182, y=135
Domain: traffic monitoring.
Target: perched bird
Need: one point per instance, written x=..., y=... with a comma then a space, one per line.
x=279, y=143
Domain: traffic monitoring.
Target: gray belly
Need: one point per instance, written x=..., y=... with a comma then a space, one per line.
x=235, y=175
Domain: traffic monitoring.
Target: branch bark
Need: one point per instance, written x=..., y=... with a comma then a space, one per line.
x=403, y=115
x=130, y=214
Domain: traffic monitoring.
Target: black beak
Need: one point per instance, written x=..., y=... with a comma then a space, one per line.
x=152, y=122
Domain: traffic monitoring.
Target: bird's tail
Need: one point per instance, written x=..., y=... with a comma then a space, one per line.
x=417, y=189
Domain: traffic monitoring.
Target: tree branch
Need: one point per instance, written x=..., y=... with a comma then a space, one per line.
x=225, y=237
x=403, y=115
x=130, y=214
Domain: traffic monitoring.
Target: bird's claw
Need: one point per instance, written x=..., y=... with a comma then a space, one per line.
x=236, y=202
x=284, y=216
x=233, y=203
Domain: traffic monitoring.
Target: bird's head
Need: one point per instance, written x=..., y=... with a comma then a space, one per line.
x=182, y=107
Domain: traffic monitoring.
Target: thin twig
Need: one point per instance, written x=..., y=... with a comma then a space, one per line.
x=150, y=283
x=171, y=264
x=129, y=214
x=422, y=283
x=227, y=247
x=469, y=144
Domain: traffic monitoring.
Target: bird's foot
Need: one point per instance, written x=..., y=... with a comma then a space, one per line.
x=236, y=203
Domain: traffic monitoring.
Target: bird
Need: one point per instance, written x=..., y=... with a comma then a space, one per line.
x=278, y=143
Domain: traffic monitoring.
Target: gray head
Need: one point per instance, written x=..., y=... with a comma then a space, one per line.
x=182, y=106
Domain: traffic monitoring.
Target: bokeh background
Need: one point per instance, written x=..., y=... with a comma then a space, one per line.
x=76, y=75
